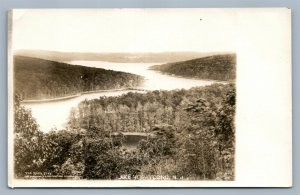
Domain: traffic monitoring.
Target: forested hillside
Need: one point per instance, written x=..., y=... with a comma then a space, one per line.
x=38, y=79
x=193, y=137
x=115, y=57
x=135, y=112
x=216, y=67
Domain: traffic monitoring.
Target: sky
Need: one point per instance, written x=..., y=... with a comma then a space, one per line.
x=124, y=30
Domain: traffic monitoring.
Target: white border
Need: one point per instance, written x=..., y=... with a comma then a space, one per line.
x=264, y=109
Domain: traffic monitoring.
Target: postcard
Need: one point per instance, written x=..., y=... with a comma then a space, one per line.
x=149, y=97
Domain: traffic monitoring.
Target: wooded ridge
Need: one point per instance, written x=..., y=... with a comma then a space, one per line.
x=43, y=79
x=215, y=67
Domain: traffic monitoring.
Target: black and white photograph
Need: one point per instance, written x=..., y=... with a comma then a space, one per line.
x=122, y=95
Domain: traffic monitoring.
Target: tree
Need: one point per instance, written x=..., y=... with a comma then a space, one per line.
x=27, y=153
x=210, y=143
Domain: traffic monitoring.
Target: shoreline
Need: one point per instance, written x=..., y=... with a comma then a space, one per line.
x=192, y=78
x=113, y=90
x=79, y=94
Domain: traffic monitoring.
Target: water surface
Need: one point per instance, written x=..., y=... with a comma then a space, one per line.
x=55, y=114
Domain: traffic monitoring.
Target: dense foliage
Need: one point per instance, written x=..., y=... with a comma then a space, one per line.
x=190, y=135
x=39, y=79
x=27, y=137
x=216, y=67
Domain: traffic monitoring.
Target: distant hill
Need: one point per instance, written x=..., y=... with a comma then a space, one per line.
x=39, y=79
x=114, y=57
x=216, y=67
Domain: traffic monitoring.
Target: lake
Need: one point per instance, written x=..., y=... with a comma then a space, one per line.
x=55, y=114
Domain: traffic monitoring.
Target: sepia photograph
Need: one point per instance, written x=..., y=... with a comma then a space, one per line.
x=123, y=95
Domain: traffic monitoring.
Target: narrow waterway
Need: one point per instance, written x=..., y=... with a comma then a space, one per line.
x=55, y=114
